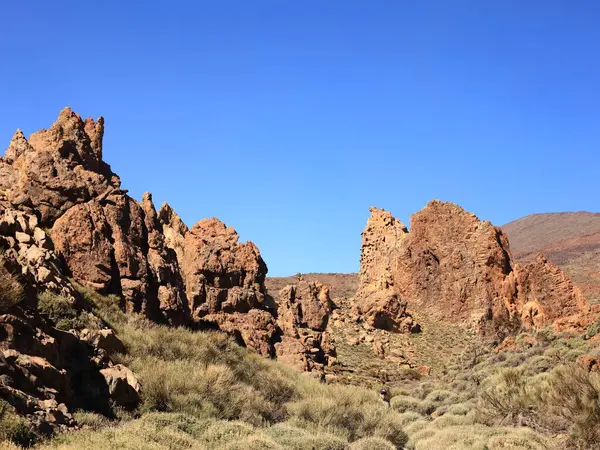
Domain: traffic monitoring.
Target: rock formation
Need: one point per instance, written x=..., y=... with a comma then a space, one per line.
x=46, y=371
x=458, y=268
x=57, y=168
x=380, y=305
x=109, y=242
x=302, y=315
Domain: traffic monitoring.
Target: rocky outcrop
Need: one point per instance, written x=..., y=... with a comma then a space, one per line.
x=28, y=251
x=380, y=305
x=458, y=268
x=46, y=371
x=220, y=273
x=166, y=282
x=540, y=293
x=302, y=315
x=174, y=230
x=56, y=169
x=225, y=284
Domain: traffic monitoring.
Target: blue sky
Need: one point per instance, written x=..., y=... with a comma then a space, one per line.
x=288, y=119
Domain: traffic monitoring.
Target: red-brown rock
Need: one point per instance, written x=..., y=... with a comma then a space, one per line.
x=57, y=168
x=459, y=269
x=303, y=312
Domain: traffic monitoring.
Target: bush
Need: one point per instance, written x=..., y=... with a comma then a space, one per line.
x=350, y=412
x=11, y=291
x=509, y=397
x=372, y=444
x=572, y=396
x=14, y=428
x=404, y=403
x=300, y=439
x=63, y=314
x=593, y=329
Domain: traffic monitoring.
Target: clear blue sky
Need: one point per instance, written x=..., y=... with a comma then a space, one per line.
x=288, y=119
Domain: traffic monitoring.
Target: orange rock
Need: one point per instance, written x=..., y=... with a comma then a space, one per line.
x=459, y=269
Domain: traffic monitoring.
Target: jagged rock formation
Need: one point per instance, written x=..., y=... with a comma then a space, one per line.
x=225, y=284
x=28, y=251
x=166, y=282
x=220, y=273
x=57, y=168
x=108, y=241
x=303, y=314
x=459, y=268
x=380, y=305
x=173, y=228
x=541, y=294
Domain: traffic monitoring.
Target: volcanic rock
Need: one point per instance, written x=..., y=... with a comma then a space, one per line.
x=166, y=281
x=302, y=315
x=123, y=386
x=458, y=268
x=57, y=168
x=220, y=273
x=380, y=305
x=174, y=229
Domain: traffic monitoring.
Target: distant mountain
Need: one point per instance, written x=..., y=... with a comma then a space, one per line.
x=569, y=239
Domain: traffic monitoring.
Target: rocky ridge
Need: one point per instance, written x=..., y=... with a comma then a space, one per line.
x=63, y=214
x=460, y=269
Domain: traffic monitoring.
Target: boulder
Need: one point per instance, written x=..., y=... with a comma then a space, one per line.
x=123, y=387
x=105, y=339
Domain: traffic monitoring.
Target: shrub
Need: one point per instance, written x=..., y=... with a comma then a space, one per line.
x=14, y=428
x=593, y=329
x=289, y=436
x=572, y=396
x=350, y=412
x=509, y=397
x=372, y=444
x=404, y=403
x=11, y=291
x=63, y=314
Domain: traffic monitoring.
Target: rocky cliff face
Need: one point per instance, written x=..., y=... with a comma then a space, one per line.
x=459, y=268
x=57, y=168
x=111, y=243
x=380, y=304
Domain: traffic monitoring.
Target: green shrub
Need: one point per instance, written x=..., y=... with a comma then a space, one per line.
x=509, y=397
x=296, y=438
x=404, y=403
x=63, y=314
x=571, y=397
x=350, y=412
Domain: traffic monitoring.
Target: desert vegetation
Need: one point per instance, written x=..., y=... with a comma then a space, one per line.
x=201, y=390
